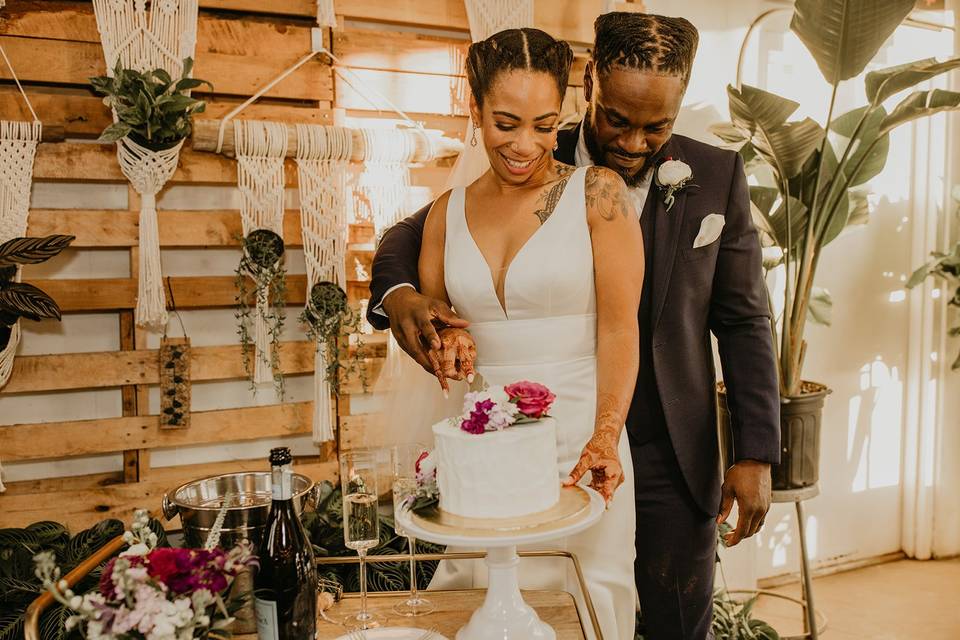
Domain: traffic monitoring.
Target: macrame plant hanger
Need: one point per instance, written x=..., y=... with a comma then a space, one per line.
x=143, y=39
x=18, y=148
x=261, y=147
x=381, y=189
x=323, y=155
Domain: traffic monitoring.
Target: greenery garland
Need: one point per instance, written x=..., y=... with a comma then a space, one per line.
x=262, y=261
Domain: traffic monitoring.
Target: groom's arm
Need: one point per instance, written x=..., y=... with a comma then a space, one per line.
x=740, y=319
x=395, y=264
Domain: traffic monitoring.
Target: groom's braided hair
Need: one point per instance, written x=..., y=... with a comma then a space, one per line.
x=647, y=42
x=526, y=49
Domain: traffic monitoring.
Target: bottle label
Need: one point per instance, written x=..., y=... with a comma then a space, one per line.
x=281, y=483
x=267, y=625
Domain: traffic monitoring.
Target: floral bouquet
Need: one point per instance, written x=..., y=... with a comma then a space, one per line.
x=493, y=409
x=496, y=408
x=153, y=593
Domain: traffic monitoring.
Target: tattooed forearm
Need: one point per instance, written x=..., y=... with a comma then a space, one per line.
x=606, y=194
x=611, y=412
x=550, y=198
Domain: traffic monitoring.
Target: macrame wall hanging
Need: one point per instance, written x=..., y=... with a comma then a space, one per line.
x=141, y=38
x=487, y=17
x=260, y=148
x=379, y=195
x=323, y=157
x=18, y=148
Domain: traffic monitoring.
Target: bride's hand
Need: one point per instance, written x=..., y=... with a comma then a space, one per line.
x=601, y=458
x=459, y=352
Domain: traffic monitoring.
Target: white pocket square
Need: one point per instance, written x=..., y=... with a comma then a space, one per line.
x=710, y=229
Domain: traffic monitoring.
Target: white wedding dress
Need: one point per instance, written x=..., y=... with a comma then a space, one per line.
x=547, y=334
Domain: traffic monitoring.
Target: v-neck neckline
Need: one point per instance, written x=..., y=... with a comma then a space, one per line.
x=502, y=304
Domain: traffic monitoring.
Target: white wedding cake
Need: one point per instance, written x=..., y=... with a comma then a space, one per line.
x=497, y=474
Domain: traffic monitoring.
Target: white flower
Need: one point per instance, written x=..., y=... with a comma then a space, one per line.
x=673, y=173
x=428, y=466
x=772, y=256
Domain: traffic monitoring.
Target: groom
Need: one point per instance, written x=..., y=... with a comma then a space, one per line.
x=703, y=276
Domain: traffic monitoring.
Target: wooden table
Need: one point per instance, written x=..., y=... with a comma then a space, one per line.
x=556, y=608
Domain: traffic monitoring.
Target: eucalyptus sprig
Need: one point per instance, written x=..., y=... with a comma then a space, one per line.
x=261, y=261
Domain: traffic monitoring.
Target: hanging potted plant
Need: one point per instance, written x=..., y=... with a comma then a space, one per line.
x=808, y=191
x=328, y=317
x=20, y=299
x=262, y=262
x=153, y=115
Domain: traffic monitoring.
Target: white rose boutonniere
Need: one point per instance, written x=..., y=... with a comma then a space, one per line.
x=672, y=176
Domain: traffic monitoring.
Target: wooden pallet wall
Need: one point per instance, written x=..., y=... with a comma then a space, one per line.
x=410, y=51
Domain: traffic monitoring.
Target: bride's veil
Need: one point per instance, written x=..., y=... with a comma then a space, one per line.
x=408, y=400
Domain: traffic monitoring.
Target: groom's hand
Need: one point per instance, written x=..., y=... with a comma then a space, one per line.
x=747, y=482
x=412, y=317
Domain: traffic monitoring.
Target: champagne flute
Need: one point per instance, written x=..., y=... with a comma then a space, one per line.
x=361, y=521
x=403, y=458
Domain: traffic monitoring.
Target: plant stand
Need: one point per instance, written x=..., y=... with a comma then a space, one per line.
x=797, y=496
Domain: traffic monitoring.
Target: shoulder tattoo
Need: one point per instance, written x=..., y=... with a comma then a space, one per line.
x=550, y=197
x=606, y=193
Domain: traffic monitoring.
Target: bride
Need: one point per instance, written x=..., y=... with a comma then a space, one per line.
x=546, y=262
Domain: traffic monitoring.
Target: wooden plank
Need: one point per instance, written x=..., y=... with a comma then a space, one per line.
x=60, y=372
x=451, y=126
x=73, y=63
x=79, y=508
x=418, y=92
x=307, y=8
x=77, y=114
x=90, y=437
x=178, y=229
x=413, y=52
x=132, y=462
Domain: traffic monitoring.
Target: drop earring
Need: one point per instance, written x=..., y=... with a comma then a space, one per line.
x=556, y=145
x=473, y=138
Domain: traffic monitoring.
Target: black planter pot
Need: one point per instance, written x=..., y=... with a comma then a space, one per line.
x=800, y=419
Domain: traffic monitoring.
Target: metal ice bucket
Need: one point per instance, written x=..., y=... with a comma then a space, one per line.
x=198, y=502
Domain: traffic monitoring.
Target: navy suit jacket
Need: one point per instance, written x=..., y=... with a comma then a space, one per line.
x=717, y=288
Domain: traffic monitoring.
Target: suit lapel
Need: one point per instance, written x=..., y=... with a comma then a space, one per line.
x=667, y=236
x=567, y=145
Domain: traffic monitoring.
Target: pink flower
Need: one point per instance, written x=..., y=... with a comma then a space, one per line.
x=477, y=421
x=533, y=399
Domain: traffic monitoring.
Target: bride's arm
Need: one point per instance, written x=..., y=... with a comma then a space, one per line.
x=618, y=274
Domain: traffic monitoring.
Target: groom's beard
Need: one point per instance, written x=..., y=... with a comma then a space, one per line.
x=598, y=154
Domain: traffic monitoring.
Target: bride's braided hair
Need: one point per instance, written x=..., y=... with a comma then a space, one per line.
x=647, y=42
x=527, y=49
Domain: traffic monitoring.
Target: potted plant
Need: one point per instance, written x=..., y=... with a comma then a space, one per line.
x=152, y=108
x=262, y=262
x=811, y=185
x=328, y=317
x=20, y=299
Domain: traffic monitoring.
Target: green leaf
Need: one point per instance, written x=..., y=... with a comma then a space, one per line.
x=190, y=83
x=49, y=532
x=53, y=621
x=920, y=104
x=764, y=198
x=884, y=83
x=844, y=35
x=32, y=250
x=798, y=223
x=187, y=67
x=11, y=625
x=729, y=133
x=115, y=132
x=868, y=138
x=762, y=115
x=859, y=207
x=28, y=301
x=820, y=306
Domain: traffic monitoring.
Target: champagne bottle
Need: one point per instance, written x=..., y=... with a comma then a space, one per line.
x=285, y=585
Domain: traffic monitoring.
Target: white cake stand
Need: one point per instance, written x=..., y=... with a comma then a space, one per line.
x=504, y=615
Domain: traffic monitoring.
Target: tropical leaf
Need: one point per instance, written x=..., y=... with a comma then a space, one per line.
x=920, y=104
x=49, y=532
x=883, y=83
x=844, y=35
x=868, y=156
x=53, y=623
x=11, y=625
x=32, y=250
x=762, y=115
x=85, y=543
x=18, y=589
x=764, y=198
x=28, y=301
x=733, y=137
x=18, y=538
x=859, y=207
x=820, y=306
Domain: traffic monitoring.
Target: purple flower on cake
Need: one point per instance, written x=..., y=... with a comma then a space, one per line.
x=487, y=410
